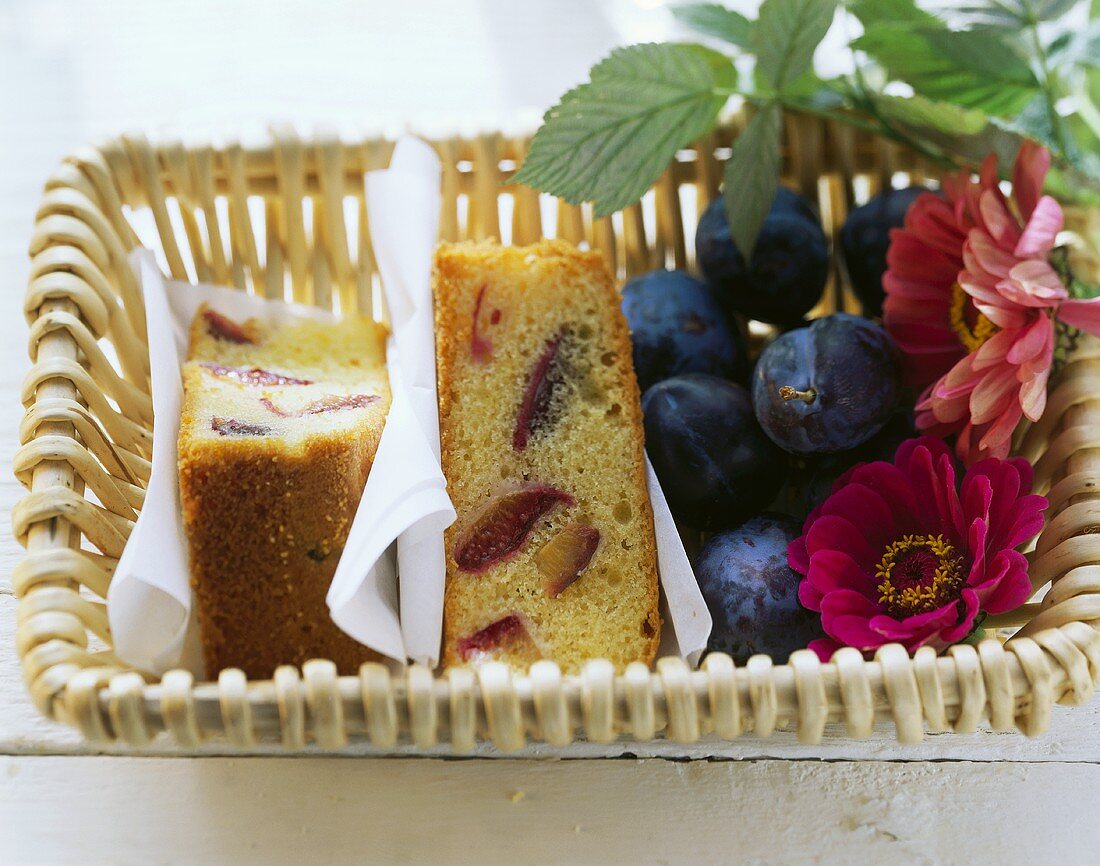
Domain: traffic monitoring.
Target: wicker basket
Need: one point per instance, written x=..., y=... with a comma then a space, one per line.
x=284, y=215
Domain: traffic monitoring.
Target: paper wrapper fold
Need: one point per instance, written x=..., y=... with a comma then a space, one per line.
x=149, y=602
x=406, y=499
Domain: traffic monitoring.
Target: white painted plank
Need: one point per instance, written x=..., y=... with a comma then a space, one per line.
x=93, y=810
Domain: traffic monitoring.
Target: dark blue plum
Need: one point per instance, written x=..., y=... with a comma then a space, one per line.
x=828, y=387
x=678, y=326
x=752, y=593
x=790, y=201
x=788, y=268
x=865, y=238
x=716, y=466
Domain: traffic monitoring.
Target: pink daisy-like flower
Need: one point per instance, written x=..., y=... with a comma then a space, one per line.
x=899, y=554
x=923, y=264
x=972, y=300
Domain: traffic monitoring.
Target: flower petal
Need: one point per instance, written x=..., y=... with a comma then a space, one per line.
x=1032, y=342
x=1013, y=588
x=987, y=257
x=1042, y=228
x=846, y=601
x=893, y=486
x=997, y=437
x=967, y=611
x=994, y=350
x=932, y=476
x=920, y=625
x=860, y=507
x=853, y=631
x=1022, y=523
x=1033, y=283
x=833, y=532
x=833, y=570
x=1005, y=314
x=824, y=647
x=1028, y=174
x=1081, y=314
x=993, y=394
x=809, y=596
x=976, y=543
x=798, y=558
x=998, y=221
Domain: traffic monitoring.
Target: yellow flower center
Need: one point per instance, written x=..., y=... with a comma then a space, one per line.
x=972, y=327
x=918, y=573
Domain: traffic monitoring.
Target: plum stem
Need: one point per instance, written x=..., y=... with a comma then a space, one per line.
x=789, y=393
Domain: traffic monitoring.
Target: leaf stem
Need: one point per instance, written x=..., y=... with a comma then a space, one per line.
x=1088, y=112
x=851, y=118
x=878, y=125
x=1046, y=77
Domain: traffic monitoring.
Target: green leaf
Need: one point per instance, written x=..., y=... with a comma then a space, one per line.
x=983, y=52
x=1051, y=10
x=1085, y=291
x=1036, y=122
x=1067, y=187
x=607, y=141
x=751, y=177
x=892, y=12
x=975, y=637
x=910, y=56
x=806, y=84
x=786, y=34
x=971, y=148
x=713, y=19
x=1032, y=121
x=1006, y=14
x=921, y=112
x=1000, y=17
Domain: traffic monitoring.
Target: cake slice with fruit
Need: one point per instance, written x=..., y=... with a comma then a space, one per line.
x=278, y=432
x=553, y=554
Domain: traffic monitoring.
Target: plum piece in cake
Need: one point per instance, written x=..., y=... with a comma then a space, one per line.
x=553, y=554
x=278, y=433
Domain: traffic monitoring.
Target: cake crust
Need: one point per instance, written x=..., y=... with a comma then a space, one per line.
x=499, y=312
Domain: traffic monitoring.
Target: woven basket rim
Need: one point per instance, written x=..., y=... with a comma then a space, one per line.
x=75, y=441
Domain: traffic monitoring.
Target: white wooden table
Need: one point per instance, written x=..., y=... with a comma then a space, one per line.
x=71, y=71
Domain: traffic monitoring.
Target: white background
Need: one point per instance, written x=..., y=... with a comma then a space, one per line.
x=74, y=71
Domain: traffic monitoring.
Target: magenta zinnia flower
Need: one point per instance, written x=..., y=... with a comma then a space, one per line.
x=899, y=554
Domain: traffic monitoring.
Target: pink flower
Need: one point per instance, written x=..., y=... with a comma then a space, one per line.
x=972, y=299
x=923, y=264
x=899, y=553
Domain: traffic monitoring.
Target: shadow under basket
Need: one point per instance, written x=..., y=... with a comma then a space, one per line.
x=288, y=220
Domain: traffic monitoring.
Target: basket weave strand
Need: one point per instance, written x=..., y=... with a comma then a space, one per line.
x=288, y=220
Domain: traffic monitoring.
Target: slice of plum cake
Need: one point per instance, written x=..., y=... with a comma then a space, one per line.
x=553, y=554
x=278, y=432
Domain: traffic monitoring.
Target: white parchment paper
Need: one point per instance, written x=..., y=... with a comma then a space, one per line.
x=406, y=492
x=403, y=205
x=687, y=621
x=149, y=602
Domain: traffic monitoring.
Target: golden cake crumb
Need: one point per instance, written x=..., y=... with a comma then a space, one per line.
x=553, y=553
